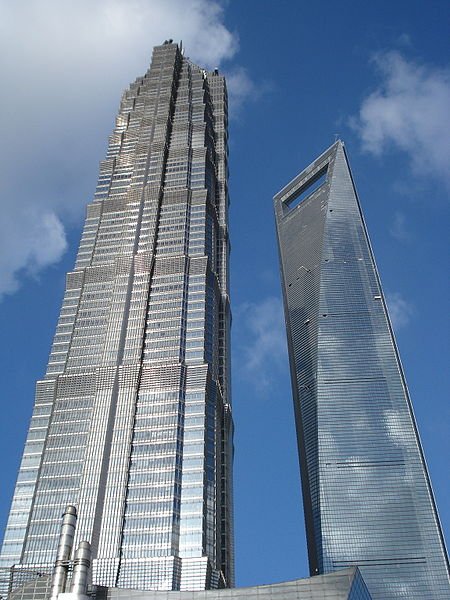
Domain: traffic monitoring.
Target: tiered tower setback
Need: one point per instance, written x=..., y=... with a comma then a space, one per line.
x=132, y=422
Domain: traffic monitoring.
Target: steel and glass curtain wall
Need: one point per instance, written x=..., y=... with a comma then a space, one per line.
x=132, y=422
x=367, y=495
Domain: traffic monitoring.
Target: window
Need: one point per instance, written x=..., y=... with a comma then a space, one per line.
x=307, y=188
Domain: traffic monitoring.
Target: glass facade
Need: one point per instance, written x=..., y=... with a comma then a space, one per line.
x=132, y=422
x=367, y=495
x=346, y=584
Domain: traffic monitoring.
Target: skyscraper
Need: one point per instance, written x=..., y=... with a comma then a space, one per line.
x=132, y=422
x=366, y=490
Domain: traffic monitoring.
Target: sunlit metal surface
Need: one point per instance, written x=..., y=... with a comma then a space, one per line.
x=132, y=422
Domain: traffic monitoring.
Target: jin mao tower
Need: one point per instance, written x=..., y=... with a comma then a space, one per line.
x=367, y=495
x=132, y=422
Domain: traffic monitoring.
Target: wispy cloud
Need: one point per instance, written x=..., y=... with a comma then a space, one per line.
x=404, y=39
x=400, y=310
x=409, y=111
x=29, y=242
x=241, y=89
x=398, y=228
x=261, y=342
x=64, y=65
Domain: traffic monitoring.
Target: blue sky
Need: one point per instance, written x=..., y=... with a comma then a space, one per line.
x=299, y=73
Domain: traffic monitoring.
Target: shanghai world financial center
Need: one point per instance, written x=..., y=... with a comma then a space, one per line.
x=132, y=423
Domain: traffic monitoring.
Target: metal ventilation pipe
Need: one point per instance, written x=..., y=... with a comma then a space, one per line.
x=64, y=549
x=81, y=566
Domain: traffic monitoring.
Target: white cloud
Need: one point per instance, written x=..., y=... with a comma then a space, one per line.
x=262, y=341
x=409, y=110
x=398, y=228
x=400, y=310
x=240, y=88
x=404, y=39
x=63, y=67
x=29, y=241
